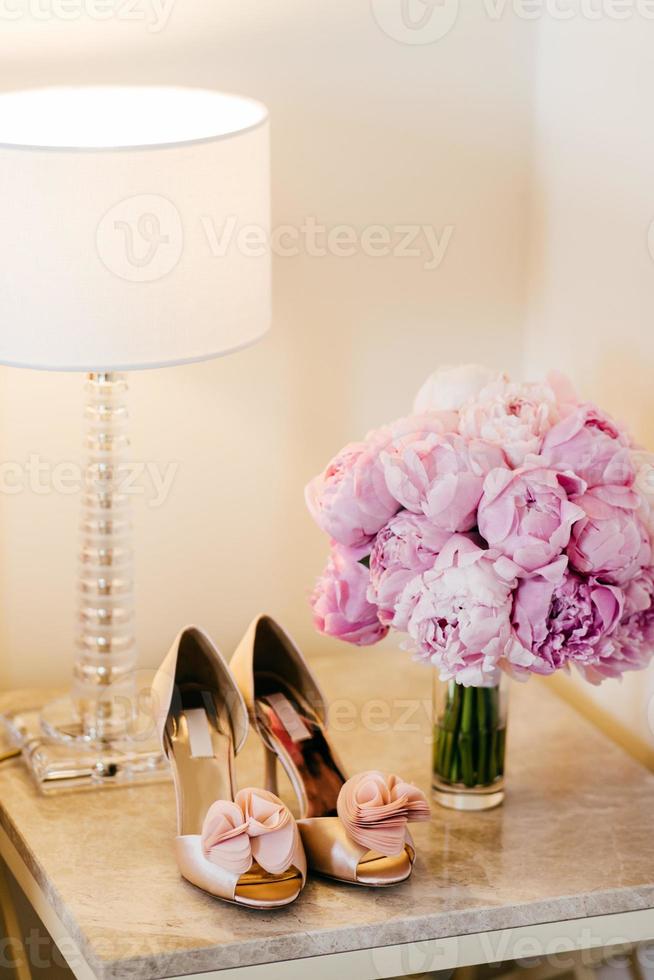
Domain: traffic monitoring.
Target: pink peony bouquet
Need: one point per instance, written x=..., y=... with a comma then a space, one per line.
x=503, y=526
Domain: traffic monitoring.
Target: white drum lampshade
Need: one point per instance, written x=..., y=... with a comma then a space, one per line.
x=134, y=234
x=124, y=217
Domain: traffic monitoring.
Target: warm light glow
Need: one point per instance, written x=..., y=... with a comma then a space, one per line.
x=108, y=117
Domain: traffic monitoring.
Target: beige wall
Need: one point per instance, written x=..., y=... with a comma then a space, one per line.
x=592, y=280
x=366, y=130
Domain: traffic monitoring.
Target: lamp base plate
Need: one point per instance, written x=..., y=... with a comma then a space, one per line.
x=60, y=759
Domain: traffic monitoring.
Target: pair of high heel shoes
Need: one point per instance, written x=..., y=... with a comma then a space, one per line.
x=245, y=846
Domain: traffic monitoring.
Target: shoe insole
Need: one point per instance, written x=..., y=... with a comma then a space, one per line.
x=298, y=734
x=202, y=758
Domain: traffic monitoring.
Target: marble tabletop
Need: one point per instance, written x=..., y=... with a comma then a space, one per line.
x=572, y=839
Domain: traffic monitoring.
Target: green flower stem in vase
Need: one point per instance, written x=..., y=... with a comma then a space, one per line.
x=469, y=745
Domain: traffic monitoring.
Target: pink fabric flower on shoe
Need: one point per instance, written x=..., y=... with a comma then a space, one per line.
x=592, y=445
x=256, y=826
x=340, y=602
x=527, y=514
x=375, y=809
x=609, y=542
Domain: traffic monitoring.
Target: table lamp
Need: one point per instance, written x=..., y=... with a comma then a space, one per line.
x=113, y=199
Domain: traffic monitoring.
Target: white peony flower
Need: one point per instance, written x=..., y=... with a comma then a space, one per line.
x=448, y=388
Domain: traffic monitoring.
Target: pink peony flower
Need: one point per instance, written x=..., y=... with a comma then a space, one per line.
x=459, y=614
x=441, y=476
x=628, y=648
x=513, y=416
x=639, y=593
x=564, y=391
x=350, y=500
x=609, y=542
x=564, y=620
x=643, y=464
x=407, y=545
x=339, y=602
x=630, y=645
x=449, y=388
x=590, y=444
x=526, y=514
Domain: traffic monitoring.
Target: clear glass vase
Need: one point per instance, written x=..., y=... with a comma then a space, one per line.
x=469, y=744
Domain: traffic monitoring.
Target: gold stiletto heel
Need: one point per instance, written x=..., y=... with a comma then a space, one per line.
x=354, y=830
x=243, y=847
x=270, y=770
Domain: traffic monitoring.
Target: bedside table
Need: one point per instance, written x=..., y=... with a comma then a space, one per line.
x=566, y=863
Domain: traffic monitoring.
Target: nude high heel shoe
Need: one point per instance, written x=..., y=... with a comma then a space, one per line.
x=354, y=830
x=243, y=847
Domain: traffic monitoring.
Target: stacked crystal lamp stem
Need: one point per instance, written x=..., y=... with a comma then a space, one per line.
x=106, y=642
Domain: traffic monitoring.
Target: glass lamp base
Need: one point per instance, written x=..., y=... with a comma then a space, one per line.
x=103, y=734
x=60, y=758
